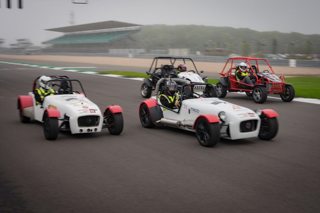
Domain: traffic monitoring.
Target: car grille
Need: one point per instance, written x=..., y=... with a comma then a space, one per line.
x=248, y=126
x=86, y=121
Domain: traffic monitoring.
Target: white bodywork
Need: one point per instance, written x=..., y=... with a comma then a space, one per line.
x=71, y=105
x=191, y=76
x=191, y=109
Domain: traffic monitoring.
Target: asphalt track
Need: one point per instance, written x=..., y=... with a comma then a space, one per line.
x=153, y=170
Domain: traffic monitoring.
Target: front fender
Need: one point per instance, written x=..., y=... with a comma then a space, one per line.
x=209, y=118
x=151, y=102
x=51, y=113
x=114, y=109
x=154, y=109
x=269, y=113
x=24, y=101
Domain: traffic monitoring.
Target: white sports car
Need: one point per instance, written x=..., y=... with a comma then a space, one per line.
x=210, y=118
x=68, y=110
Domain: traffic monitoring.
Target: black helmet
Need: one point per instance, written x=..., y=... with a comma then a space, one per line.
x=171, y=86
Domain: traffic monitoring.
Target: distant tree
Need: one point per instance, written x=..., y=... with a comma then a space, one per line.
x=1, y=42
x=291, y=48
x=245, y=49
x=274, y=46
x=308, y=47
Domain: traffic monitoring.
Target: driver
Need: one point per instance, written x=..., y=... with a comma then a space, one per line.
x=44, y=89
x=170, y=97
x=182, y=68
x=242, y=74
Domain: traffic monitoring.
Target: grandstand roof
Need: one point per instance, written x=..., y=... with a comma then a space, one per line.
x=92, y=38
x=94, y=27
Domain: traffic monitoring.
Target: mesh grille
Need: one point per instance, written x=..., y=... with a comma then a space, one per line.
x=248, y=126
x=87, y=121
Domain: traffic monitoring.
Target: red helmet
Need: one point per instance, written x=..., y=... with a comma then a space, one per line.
x=182, y=68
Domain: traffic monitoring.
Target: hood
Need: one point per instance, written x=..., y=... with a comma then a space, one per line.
x=215, y=105
x=193, y=77
x=72, y=104
x=272, y=77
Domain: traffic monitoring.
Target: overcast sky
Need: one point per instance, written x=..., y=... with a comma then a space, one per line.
x=263, y=15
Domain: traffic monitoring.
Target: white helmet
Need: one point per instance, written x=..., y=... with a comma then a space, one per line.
x=243, y=66
x=43, y=82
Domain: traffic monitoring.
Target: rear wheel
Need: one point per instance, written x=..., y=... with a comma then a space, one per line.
x=23, y=119
x=208, y=134
x=259, y=94
x=114, y=122
x=146, y=90
x=50, y=128
x=221, y=90
x=145, y=116
x=288, y=94
x=269, y=128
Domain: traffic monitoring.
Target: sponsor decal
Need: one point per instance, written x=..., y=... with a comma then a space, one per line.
x=195, y=110
x=251, y=114
x=92, y=110
x=236, y=107
x=217, y=102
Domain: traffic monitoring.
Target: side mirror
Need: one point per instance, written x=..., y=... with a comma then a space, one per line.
x=201, y=71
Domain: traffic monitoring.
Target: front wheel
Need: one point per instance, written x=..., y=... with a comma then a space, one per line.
x=259, y=94
x=145, y=90
x=208, y=134
x=50, y=128
x=221, y=91
x=269, y=128
x=114, y=122
x=145, y=116
x=288, y=94
x=210, y=91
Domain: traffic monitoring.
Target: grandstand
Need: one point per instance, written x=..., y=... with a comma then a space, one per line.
x=94, y=37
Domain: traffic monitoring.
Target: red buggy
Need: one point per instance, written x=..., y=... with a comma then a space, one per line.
x=265, y=81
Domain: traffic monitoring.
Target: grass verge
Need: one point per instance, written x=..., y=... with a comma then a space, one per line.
x=127, y=74
x=307, y=87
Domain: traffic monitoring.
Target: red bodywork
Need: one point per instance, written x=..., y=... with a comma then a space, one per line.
x=228, y=71
x=115, y=109
x=53, y=113
x=270, y=113
x=150, y=103
x=209, y=118
x=24, y=101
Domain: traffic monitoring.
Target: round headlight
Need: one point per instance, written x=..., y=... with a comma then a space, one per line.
x=222, y=115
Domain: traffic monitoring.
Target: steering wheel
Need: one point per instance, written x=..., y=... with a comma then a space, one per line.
x=265, y=71
x=191, y=71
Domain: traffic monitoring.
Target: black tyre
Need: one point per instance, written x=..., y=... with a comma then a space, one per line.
x=145, y=116
x=288, y=94
x=269, y=128
x=50, y=128
x=221, y=91
x=23, y=119
x=114, y=122
x=210, y=91
x=259, y=94
x=208, y=134
x=145, y=90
